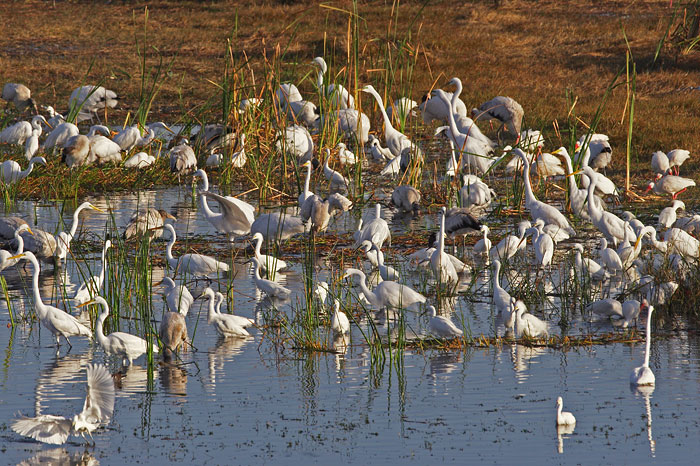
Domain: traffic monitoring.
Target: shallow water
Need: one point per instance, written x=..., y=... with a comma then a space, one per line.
x=249, y=401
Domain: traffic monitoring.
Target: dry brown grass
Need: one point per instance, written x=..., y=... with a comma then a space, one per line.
x=532, y=51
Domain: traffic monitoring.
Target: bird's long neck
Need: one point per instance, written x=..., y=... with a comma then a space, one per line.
x=572, y=179
x=377, y=211
x=319, y=79
x=74, y=225
x=529, y=195
x=204, y=205
x=559, y=408
x=38, y=303
x=455, y=96
x=147, y=138
x=25, y=173
x=369, y=294
x=104, y=265
x=99, y=327
x=258, y=244
x=20, y=243
x=592, y=211
x=169, y=247
x=441, y=240
x=496, y=275
x=257, y=272
x=648, y=342
x=388, y=127
x=307, y=180
x=212, y=310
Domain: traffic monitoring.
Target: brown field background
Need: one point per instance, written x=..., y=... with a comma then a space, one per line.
x=533, y=51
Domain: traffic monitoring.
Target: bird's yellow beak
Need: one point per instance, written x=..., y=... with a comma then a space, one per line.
x=577, y=172
x=159, y=283
x=92, y=301
x=636, y=243
x=16, y=257
x=168, y=129
x=97, y=209
x=30, y=231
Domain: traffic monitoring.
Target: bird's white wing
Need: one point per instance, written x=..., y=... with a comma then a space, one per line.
x=99, y=402
x=230, y=208
x=46, y=428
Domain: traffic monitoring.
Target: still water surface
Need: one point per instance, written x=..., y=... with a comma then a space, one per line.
x=247, y=401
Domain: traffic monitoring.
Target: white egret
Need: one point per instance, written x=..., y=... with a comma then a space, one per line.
x=103, y=150
x=277, y=226
x=379, y=153
x=631, y=309
x=297, y=141
x=676, y=158
x=236, y=216
x=577, y=197
x=58, y=322
x=474, y=192
x=287, y=92
x=483, y=246
x=612, y=226
x=5, y=256
x=12, y=172
x=371, y=252
x=443, y=269
x=139, y=160
x=92, y=286
x=466, y=125
x=476, y=151
x=406, y=198
x=538, y=209
x=442, y=327
x=401, y=109
x=352, y=124
x=340, y=324
x=21, y=131
x=64, y=239
x=586, y=266
x=336, y=179
x=125, y=345
x=542, y=244
x=306, y=193
x=269, y=264
x=149, y=221
x=337, y=95
x=177, y=298
x=564, y=418
x=345, y=157
x=270, y=288
x=548, y=165
x=501, y=298
x=527, y=324
x=388, y=294
x=130, y=137
x=321, y=292
x=376, y=230
x=510, y=245
x=433, y=108
x=609, y=258
x=20, y=96
x=643, y=375
x=31, y=145
x=192, y=264
x=58, y=137
x=668, y=216
x=90, y=100
x=387, y=272
x=238, y=320
x=97, y=410
x=223, y=323
x=670, y=184
x=395, y=140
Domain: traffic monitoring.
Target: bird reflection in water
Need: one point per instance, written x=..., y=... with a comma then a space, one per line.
x=57, y=377
x=61, y=457
x=645, y=392
x=225, y=350
x=444, y=363
x=522, y=357
x=562, y=430
x=173, y=379
x=131, y=379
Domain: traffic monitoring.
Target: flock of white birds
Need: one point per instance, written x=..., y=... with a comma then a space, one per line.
x=621, y=267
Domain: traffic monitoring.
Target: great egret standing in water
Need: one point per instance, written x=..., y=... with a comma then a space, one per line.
x=643, y=375
x=198, y=265
x=58, y=322
x=564, y=418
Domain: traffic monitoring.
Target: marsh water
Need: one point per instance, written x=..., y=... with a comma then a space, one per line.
x=256, y=401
